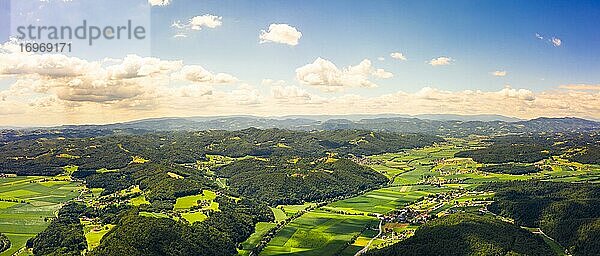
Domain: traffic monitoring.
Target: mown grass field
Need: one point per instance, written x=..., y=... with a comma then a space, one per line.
x=28, y=202
x=188, y=202
x=93, y=233
x=318, y=233
x=260, y=230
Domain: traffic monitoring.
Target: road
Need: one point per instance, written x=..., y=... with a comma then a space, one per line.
x=363, y=250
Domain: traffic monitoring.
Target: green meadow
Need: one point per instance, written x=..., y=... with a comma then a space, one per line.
x=27, y=203
x=188, y=202
x=318, y=233
x=384, y=200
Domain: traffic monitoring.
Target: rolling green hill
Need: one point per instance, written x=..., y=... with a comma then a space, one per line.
x=468, y=234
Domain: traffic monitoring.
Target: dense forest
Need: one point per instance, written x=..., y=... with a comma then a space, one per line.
x=294, y=181
x=218, y=235
x=468, y=234
x=47, y=156
x=568, y=212
x=530, y=148
x=137, y=235
x=64, y=235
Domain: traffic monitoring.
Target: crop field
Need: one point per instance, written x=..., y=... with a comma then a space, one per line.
x=27, y=202
x=385, y=200
x=318, y=233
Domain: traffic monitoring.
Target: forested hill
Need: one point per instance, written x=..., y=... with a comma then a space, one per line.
x=49, y=156
x=468, y=234
x=454, y=126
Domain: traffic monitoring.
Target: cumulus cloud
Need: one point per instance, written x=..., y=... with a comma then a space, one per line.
x=246, y=95
x=51, y=65
x=159, y=2
x=290, y=93
x=521, y=94
x=196, y=23
x=326, y=76
x=280, y=33
x=398, y=56
x=440, y=61
x=499, y=73
x=135, y=66
x=583, y=87
x=206, y=20
x=133, y=81
x=197, y=74
x=380, y=58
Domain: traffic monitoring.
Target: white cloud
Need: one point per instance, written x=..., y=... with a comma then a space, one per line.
x=197, y=74
x=135, y=66
x=499, y=73
x=280, y=33
x=206, y=20
x=380, y=58
x=246, y=95
x=326, y=76
x=398, y=56
x=70, y=81
x=522, y=94
x=441, y=61
x=538, y=36
x=196, y=23
x=556, y=41
x=159, y=2
x=290, y=93
x=381, y=73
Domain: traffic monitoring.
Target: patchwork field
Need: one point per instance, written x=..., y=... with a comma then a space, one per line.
x=318, y=233
x=27, y=203
x=384, y=200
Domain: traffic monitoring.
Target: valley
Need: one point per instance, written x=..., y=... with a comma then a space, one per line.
x=277, y=192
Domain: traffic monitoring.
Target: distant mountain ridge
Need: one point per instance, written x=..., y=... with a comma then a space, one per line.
x=441, y=125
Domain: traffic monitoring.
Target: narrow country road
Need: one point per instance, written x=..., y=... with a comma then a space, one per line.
x=363, y=250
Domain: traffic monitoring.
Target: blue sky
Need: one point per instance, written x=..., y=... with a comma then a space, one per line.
x=482, y=36
x=221, y=68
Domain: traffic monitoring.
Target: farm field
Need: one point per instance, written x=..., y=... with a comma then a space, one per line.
x=318, y=233
x=437, y=165
x=384, y=200
x=27, y=204
x=260, y=229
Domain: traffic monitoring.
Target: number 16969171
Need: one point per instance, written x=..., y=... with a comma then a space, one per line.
x=45, y=47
